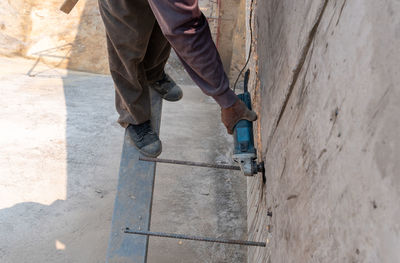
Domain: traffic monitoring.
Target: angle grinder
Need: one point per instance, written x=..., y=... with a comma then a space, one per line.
x=244, y=152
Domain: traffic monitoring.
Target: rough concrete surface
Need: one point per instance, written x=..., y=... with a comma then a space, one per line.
x=228, y=14
x=39, y=30
x=327, y=92
x=238, y=38
x=59, y=164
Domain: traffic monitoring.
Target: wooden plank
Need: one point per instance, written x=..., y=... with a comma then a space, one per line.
x=68, y=5
x=133, y=201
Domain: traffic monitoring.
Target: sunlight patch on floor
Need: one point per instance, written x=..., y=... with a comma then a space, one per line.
x=32, y=137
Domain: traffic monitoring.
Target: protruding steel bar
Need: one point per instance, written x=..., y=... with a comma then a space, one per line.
x=196, y=238
x=208, y=165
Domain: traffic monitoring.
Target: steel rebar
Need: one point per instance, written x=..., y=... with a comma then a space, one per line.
x=196, y=238
x=189, y=163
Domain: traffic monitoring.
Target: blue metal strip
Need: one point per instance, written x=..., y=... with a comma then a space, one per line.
x=133, y=201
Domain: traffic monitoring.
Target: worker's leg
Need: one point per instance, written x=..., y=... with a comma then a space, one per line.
x=129, y=26
x=187, y=30
x=157, y=54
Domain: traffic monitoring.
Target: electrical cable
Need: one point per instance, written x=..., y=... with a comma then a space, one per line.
x=251, y=45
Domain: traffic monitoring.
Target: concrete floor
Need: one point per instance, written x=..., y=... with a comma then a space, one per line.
x=59, y=160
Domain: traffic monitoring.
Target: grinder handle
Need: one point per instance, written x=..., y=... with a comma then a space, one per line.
x=68, y=5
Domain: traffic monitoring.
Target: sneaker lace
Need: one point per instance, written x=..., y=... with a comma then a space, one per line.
x=144, y=130
x=164, y=79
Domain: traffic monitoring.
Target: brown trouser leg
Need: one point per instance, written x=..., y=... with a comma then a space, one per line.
x=137, y=52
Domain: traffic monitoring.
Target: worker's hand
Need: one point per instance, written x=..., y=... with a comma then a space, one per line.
x=232, y=115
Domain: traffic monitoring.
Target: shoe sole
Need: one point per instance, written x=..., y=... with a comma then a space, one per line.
x=173, y=99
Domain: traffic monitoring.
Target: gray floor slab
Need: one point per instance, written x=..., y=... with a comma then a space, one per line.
x=59, y=163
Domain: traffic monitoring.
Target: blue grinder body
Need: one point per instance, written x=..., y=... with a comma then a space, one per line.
x=244, y=152
x=243, y=131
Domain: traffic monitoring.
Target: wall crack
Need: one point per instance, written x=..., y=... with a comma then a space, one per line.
x=296, y=72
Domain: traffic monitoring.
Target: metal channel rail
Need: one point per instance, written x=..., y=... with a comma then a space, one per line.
x=133, y=200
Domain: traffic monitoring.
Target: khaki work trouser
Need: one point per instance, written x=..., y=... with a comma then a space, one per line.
x=140, y=34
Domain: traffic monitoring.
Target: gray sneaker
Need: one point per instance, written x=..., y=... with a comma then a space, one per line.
x=145, y=139
x=167, y=88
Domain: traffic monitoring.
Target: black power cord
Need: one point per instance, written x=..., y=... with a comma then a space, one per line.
x=250, y=48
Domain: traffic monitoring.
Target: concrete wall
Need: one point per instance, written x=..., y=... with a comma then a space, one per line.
x=326, y=86
x=229, y=12
x=238, y=54
x=37, y=29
